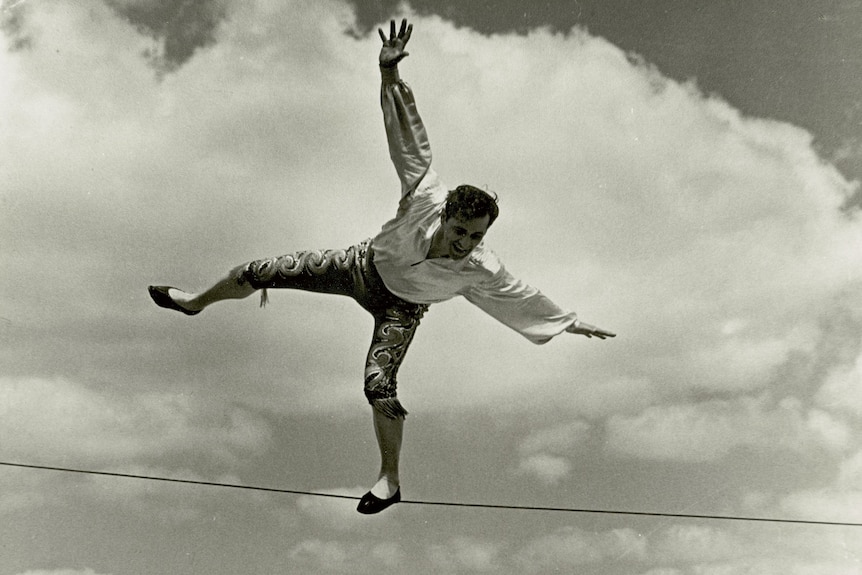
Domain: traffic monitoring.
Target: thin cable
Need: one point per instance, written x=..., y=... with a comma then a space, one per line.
x=429, y=503
x=175, y=480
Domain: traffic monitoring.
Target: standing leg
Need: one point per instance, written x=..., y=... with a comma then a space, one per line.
x=393, y=332
x=389, y=435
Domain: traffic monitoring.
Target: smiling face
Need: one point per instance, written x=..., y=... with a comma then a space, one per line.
x=459, y=237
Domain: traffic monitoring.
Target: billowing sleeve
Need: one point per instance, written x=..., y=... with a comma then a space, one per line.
x=408, y=141
x=520, y=306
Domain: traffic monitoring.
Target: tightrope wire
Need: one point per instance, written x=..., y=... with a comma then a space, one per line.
x=430, y=503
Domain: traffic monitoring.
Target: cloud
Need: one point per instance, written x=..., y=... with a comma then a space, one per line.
x=558, y=439
x=328, y=555
x=841, y=501
x=178, y=29
x=549, y=468
x=572, y=547
x=685, y=544
x=842, y=389
x=546, y=452
x=62, y=420
x=340, y=557
x=687, y=548
x=62, y=423
x=850, y=472
x=464, y=555
x=710, y=430
x=12, y=25
x=840, y=506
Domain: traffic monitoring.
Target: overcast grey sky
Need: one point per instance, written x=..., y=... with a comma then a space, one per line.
x=677, y=172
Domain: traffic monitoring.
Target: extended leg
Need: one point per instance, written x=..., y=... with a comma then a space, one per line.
x=330, y=271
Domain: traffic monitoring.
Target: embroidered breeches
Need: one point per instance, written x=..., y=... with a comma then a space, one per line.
x=350, y=272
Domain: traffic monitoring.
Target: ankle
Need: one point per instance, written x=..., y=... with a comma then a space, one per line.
x=186, y=300
x=385, y=487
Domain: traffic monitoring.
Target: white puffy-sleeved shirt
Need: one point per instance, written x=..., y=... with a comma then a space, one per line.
x=401, y=247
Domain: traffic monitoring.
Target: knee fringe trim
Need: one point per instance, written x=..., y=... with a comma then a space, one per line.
x=390, y=407
x=239, y=274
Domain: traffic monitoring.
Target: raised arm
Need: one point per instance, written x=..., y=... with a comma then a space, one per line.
x=408, y=141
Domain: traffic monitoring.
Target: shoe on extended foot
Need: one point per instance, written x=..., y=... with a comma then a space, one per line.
x=162, y=299
x=370, y=503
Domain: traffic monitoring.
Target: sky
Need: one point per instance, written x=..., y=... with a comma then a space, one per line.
x=685, y=174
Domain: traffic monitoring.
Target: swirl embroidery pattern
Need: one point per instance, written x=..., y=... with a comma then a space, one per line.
x=316, y=262
x=393, y=332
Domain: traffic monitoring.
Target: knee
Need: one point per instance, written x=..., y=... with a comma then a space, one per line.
x=385, y=402
x=245, y=277
x=239, y=273
x=378, y=384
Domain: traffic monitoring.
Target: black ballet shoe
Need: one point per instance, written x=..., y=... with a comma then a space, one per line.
x=162, y=299
x=370, y=503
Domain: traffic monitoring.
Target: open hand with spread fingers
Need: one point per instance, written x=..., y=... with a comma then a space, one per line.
x=392, y=51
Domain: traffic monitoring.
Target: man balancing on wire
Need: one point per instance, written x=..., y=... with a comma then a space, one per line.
x=431, y=251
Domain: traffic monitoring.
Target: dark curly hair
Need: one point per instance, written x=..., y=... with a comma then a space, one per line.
x=469, y=202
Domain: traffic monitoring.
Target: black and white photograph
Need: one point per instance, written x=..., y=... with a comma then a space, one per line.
x=373, y=287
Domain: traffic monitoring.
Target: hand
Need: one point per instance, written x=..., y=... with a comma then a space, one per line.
x=392, y=51
x=588, y=330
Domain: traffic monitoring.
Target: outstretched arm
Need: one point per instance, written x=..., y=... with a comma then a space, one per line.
x=526, y=310
x=408, y=141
